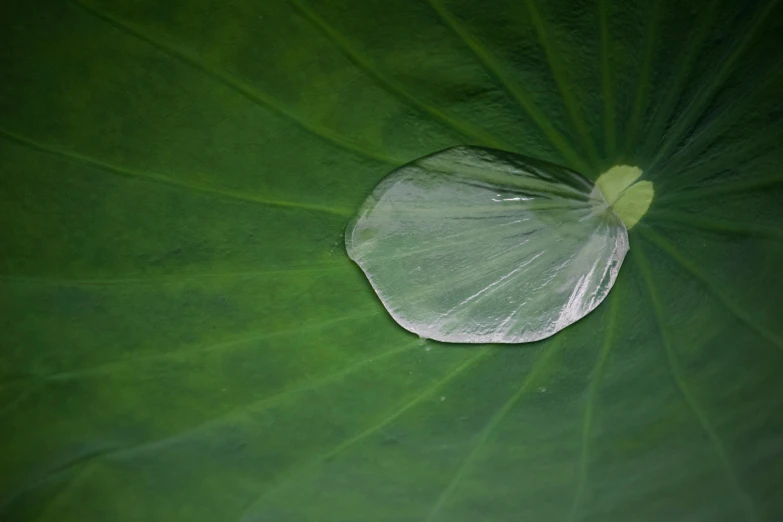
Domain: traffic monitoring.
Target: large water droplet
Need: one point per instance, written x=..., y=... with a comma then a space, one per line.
x=482, y=246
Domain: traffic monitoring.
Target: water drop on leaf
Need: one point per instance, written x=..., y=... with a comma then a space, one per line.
x=474, y=245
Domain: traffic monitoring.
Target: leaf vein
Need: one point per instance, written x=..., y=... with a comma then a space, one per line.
x=118, y=452
x=238, y=85
x=394, y=88
x=288, y=476
x=186, y=353
x=587, y=419
x=520, y=96
x=675, y=219
x=708, y=90
x=260, y=404
x=679, y=380
x=701, y=139
x=606, y=82
x=664, y=111
x=659, y=241
x=721, y=189
x=643, y=87
x=166, y=278
x=562, y=83
x=154, y=177
x=467, y=463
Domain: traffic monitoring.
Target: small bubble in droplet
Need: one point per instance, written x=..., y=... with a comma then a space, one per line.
x=542, y=389
x=443, y=398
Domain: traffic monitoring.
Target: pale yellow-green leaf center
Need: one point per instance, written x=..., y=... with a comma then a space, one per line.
x=628, y=197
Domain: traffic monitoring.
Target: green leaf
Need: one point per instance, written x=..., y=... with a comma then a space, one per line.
x=183, y=337
x=481, y=246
